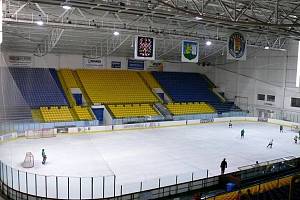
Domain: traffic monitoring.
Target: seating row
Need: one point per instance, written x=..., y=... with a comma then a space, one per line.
x=136, y=110
x=110, y=87
x=190, y=108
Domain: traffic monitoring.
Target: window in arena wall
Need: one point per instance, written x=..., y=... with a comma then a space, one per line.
x=271, y=98
x=261, y=97
x=295, y=102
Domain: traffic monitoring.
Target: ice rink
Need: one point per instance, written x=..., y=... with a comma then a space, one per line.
x=139, y=155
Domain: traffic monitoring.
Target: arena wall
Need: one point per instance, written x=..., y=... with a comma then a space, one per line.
x=76, y=61
x=269, y=72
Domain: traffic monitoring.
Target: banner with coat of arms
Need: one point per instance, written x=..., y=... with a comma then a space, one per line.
x=190, y=51
x=236, y=47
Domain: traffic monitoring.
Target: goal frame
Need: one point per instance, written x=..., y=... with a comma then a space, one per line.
x=28, y=161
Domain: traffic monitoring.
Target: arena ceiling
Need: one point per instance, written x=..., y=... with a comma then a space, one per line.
x=88, y=26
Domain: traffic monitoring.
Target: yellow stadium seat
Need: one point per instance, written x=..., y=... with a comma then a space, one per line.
x=190, y=108
x=151, y=81
x=115, y=87
x=83, y=113
x=129, y=110
x=69, y=78
x=55, y=114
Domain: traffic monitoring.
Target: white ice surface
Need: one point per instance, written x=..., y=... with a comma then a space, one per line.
x=146, y=155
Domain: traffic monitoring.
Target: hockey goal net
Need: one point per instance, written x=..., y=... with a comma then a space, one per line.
x=40, y=133
x=28, y=161
x=295, y=128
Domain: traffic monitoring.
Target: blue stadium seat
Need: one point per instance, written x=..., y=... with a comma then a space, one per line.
x=190, y=87
x=38, y=87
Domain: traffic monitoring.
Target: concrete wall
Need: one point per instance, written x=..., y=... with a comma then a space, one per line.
x=76, y=61
x=269, y=72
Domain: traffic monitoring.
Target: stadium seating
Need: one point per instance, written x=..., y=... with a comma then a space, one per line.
x=132, y=110
x=38, y=87
x=37, y=115
x=115, y=87
x=55, y=114
x=69, y=78
x=83, y=113
x=54, y=75
x=150, y=80
x=190, y=87
x=190, y=108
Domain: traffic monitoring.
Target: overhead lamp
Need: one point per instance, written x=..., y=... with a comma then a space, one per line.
x=266, y=47
x=198, y=18
x=116, y=33
x=208, y=43
x=39, y=22
x=293, y=16
x=66, y=7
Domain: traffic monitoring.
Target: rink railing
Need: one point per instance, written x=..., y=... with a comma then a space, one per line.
x=14, y=181
x=19, y=185
x=25, y=125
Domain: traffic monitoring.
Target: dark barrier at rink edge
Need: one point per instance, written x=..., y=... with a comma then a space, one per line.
x=274, y=168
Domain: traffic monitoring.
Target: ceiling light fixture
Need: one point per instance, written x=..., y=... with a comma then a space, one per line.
x=116, y=33
x=208, y=43
x=266, y=47
x=39, y=22
x=66, y=7
x=198, y=18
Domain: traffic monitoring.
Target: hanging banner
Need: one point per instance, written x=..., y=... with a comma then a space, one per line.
x=190, y=51
x=19, y=61
x=115, y=64
x=144, y=48
x=155, y=66
x=93, y=62
x=135, y=64
x=236, y=47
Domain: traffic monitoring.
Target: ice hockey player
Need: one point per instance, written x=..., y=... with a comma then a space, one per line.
x=44, y=156
x=270, y=144
x=242, y=133
x=296, y=139
x=281, y=128
x=223, y=166
x=230, y=124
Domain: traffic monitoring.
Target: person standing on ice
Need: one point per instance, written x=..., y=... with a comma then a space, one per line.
x=281, y=128
x=242, y=133
x=270, y=144
x=296, y=139
x=44, y=156
x=230, y=124
x=223, y=166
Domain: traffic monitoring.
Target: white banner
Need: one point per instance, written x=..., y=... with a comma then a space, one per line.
x=144, y=48
x=19, y=61
x=93, y=62
x=236, y=47
x=189, y=51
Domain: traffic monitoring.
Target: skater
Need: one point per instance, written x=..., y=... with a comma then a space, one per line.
x=296, y=139
x=230, y=124
x=270, y=144
x=44, y=156
x=281, y=129
x=223, y=166
x=242, y=133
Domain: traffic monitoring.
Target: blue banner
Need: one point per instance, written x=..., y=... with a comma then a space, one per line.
x=135, y=64
x=115, y=64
